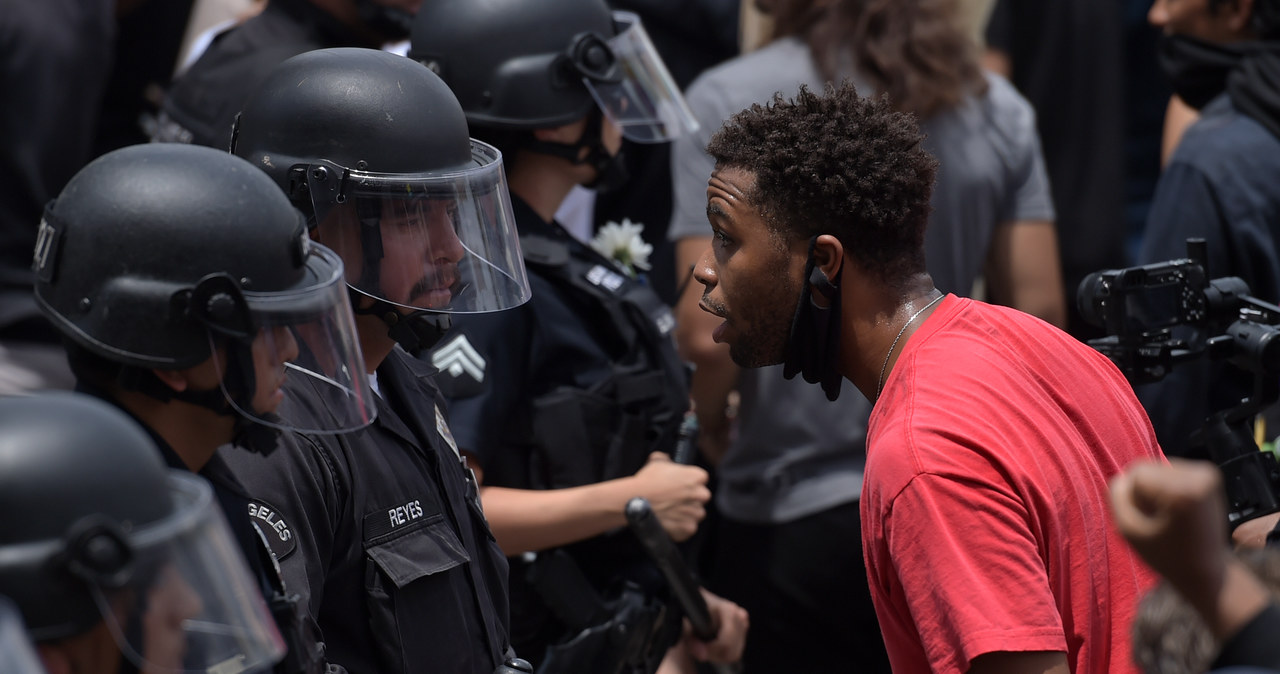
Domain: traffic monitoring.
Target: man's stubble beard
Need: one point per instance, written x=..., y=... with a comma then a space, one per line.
x=776, y=306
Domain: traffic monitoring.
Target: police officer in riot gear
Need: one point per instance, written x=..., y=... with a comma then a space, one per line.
x=189, y=295
x=585, y=378
x=115, y=562
x=387, y=540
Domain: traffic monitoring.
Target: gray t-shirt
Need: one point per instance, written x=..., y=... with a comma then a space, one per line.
x=796, y=453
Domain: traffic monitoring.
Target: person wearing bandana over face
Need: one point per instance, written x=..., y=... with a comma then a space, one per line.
x=1222, y=56
x=189, y=296
x=201, y=106
x=993, y=434
x=570, y=405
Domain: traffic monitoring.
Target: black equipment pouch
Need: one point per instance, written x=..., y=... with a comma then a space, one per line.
x=567, y=420
x=639, y=408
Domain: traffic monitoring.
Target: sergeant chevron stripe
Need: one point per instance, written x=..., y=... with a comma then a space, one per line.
x=457, y=357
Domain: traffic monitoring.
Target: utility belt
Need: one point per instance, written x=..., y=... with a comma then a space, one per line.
x=625, y=629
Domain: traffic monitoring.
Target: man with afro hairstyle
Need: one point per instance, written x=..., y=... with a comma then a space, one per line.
x=993, y=434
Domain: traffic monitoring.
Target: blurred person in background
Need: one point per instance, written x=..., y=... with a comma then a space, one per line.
x=201, y=106
x=1089, y=69
x=55, y=61
x=1222, y=57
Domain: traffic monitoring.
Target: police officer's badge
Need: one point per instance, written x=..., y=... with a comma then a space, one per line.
x=461, y=367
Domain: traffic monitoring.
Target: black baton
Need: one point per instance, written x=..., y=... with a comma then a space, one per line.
x=655, y=541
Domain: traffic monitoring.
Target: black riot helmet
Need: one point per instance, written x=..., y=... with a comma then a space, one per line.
x=97, y=529
x=375, y=149
x=516, y=64
x=169, y=256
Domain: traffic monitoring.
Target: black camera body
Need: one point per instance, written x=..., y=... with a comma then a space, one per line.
x=1137, y=300
x=1159, y=315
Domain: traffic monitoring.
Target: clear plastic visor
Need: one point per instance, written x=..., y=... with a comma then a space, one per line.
x=306, y=372
x=444, y=242
x=190, y=603
x=644, y=102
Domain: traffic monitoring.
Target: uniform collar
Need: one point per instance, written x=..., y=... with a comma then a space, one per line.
x=529, y=223
x=215, y=470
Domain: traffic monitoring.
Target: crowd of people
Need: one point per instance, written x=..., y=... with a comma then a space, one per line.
x=352, y=348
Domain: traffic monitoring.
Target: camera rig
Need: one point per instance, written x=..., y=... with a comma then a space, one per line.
x=1161, y=315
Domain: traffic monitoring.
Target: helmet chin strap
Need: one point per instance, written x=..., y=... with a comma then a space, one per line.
x=611, y=171
x=240, y=383
x=414, y=332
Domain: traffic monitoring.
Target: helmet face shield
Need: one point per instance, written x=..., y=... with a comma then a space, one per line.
x=642, y=100
x=443, y=242
x=187, y=601
x=300, y=341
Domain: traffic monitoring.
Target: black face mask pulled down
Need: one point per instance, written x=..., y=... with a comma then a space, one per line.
x=813, y=347
x=1197, y=69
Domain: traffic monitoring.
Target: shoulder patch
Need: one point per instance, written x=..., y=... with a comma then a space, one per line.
x=273, y=528
x=461, y=367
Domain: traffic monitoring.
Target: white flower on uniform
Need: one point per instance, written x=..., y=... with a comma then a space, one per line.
x=622, y=244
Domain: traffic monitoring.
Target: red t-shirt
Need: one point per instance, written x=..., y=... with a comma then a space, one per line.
x=985, y=517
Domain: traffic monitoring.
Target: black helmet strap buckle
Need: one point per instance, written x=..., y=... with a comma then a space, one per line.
x=218, y=302
x=97, y=552
x=327, y=184
x=414, y=332
x=590, y=56
x=610, y=169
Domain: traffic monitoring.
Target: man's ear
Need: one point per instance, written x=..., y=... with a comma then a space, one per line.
x=174, y=379
x=828, y=256
x=1239, y=15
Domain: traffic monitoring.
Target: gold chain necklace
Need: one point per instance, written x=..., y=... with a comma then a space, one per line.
x=880, y=381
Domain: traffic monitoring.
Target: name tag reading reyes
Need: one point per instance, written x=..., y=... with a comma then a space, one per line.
x=394, y=519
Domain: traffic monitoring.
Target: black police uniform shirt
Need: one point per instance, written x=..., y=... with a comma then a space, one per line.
x=527, y=393
x=381, y=532
x=202, y=106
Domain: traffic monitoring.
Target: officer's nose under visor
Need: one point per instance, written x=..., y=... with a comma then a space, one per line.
x=302, y=369
x=441, y=241
x=640, y=97
x=185, y=600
